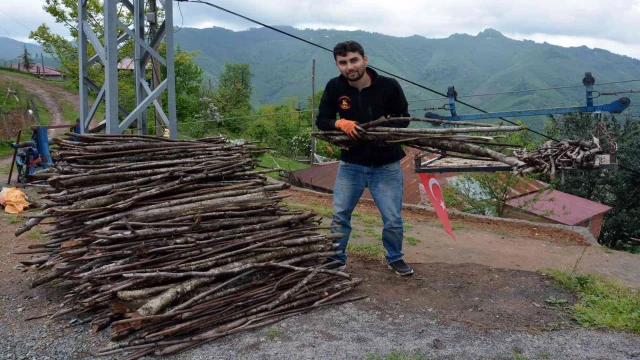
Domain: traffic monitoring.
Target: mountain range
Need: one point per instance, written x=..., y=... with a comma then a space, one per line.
x=485, y=63
x=11, y=49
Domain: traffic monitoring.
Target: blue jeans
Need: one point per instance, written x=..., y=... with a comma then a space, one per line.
x=385, y=184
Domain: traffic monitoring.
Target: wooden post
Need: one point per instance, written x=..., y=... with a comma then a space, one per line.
x=35, y=110
x=6, y=127
x=313, y=112
x=13, y=160
x=24, y=124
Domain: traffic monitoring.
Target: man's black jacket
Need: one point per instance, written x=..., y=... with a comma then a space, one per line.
x=383, y=97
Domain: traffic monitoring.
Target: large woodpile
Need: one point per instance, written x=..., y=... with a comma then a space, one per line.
x=172, y=244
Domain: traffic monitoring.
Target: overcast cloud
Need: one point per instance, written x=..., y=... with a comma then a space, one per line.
x=612, y=25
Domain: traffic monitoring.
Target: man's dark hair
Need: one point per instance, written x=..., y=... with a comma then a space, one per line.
x=342, y=48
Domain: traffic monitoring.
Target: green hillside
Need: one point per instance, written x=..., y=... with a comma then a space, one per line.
x=486, y=63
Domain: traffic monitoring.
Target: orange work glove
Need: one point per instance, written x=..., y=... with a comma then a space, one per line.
x=350, y=128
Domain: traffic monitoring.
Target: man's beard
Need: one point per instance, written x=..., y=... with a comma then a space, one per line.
x=358, y=75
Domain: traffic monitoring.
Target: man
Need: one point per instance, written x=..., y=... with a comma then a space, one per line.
x=360, y=95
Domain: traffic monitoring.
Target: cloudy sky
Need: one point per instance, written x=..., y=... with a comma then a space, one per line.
x=612, y=25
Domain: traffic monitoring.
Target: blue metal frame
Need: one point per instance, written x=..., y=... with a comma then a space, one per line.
x=615, y=107
x=35, y=155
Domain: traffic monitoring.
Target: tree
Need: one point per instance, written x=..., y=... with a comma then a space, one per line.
x=26, y=60
x=488, y=194
x=188, y=84
x=620, y=188
x=233, y=95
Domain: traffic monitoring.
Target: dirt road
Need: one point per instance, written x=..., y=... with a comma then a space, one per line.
x=492, y=243
x=45, y=93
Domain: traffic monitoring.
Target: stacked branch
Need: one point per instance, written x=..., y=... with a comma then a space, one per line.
x=173, y=244
x=564, y=155
x=477, y=141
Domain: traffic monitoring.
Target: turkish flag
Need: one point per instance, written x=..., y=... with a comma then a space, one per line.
x=432, y=187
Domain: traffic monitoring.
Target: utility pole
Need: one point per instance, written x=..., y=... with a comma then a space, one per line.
x=313, y=111
x=155, y=69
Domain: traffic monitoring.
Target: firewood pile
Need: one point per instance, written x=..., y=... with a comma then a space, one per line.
x=477, y=141
x=173, y=244
x=564, y=155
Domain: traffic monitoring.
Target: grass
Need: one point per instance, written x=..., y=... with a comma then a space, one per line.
x=374, y=250
x=556, y=301
x=454, y=225
x=503, y=233
x=367, y=219
x=412, y=240
x=457, y=226
x=273, y=334
x=372, y=232
x=12, y=219
x=274, y=161
x=68, y=113
x=5, y=148
x=67, y=85
x=45, y=119
x=601, y=303
x=17, y=73
x=355, y=234
x=320, y=210
x=517, y=355
x=407, y=226
x=34, y=234
x=12, y=103
x=398, y=355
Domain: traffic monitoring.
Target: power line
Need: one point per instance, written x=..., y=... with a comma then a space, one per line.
x=619, y=82
x=380, y=70
x=24, y=26
x=182, y=16
x=506, y=92
x=5, y=30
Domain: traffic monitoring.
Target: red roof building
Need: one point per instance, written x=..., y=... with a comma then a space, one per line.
x=559, y=208
x=39, y=70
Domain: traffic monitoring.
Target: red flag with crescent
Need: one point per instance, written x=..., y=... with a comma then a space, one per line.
x=434, y=191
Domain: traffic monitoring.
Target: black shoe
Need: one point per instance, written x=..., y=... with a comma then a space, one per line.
x=400, y=267
x=336, y=265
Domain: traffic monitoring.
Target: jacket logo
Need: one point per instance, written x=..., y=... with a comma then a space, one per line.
x=344, y=102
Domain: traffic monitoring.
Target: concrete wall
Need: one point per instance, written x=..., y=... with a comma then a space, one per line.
x=517, y=213
x=596, y=225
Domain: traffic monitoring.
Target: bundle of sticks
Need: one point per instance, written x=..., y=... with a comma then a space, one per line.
x=176, y=243
x=564, y=155
x=476, y=141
